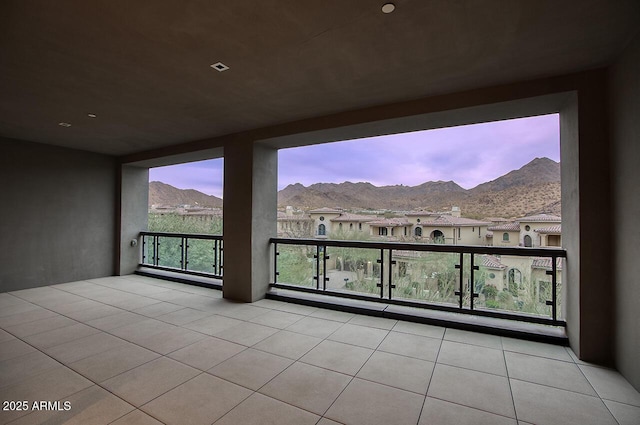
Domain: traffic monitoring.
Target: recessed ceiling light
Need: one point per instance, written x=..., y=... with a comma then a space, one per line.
x=219, y=66
x=388, y=7
x=64, y=124
x=92, y=115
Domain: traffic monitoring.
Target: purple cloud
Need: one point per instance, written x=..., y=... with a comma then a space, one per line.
x=468, y=155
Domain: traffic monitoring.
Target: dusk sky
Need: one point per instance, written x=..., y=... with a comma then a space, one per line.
x=468, y=155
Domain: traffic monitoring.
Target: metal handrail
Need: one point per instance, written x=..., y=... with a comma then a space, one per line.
x=218, y=248
x=461, y=250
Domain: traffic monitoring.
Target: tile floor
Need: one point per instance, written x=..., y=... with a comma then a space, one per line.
x=137, y=350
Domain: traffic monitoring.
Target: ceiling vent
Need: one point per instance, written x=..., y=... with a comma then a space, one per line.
x=219, y=66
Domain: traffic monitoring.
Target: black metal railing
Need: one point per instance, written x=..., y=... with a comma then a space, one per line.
x=195, y=254
x=506, y=282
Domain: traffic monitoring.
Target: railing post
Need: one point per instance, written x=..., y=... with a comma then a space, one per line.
x=381, y=262
x=460, y=266
x=325, y=279
x=275, y=262
x=391, y=263
x=144, y=251
x=185, y=242
x=472, y=282
x=156, y=249
x=554, y=292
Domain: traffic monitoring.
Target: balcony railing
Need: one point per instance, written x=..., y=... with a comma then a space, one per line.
x=200, y=255
x=506, y=282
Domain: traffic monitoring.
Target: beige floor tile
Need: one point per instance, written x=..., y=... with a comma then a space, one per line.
x=474, y=357
x=110, y=363
x=277, y=319
x=16, y=369
x=313, y=326
x=14, y=347
x=405, y=373
x=88, y=314
x=241, y=311
x=207, y=353
x=136, y=417
x=373, y=322
x=155, y=310
x=542, y=405
x=25, y=317
x=610, y=385
x=142, y=329
x=60, y=336
x=288, y=344
x=251, y=368
x=338, y=316
x=259, y=410
x=473, y=338
x=168, y=341
x=54, y=384
x=307, y=387
x=327, y=421
x=439, y=412
x=184, y=316
x=144, y=383
x=554, y=373
x=93, y=406
x=473, y=389
x=339, y=357
x=76, y=306
x=200, y=401
x=625, y=414
x=114, y=321
x=39, y=326
x=359, y=335
x=84, y=347
x=6, y=336
x=420, y=347
x=246, y=333
x=551, y=351
x=419, y=329
x=211, y=325
x=17, y=308
x=368, y=403
x=304, y=310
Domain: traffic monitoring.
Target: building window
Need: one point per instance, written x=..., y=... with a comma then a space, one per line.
x=527, y=241
x=392, y=231
x=437, y=236
x=350, y=226
x=418, y=231
x=405, y=231
x=359, y=226
x=515, y=281
x=322, y=230
x=321, y=218
x=418, y=220
x=527, y=227
x=340, y=226
x=458, y=233
x=382, y=231
x=505, y=237
x=553, y=240
x=492, y=275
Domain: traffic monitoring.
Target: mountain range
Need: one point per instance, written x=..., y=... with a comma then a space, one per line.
x=534, y=188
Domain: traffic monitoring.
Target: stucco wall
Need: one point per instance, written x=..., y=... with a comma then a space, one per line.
x=625, y=131
x=57, y=219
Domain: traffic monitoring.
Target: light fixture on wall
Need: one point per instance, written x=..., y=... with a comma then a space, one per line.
x=92, y=115
x=64, y=124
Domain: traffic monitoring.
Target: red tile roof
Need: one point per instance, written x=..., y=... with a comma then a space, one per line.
x=390, y=222
x=354, y=217
x=509, y=227
x=551, y=229
x=325, y=210
x=545, y=263
x=451, y=221
x=492, y=262
x=540, y=218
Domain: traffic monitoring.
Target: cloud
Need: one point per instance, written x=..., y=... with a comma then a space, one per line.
x=468, y=155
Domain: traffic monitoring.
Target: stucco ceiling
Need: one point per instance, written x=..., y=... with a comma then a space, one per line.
x=143, y=67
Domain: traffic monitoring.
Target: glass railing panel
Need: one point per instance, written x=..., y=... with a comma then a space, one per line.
x=426, y=276
x=148, y=250
x=516, y=284
x=169, y=251
x=296, y=265
x=353, y=270
x=202, y=255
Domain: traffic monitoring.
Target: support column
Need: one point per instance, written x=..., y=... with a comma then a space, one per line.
x=133, y=215
x=250, y=203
